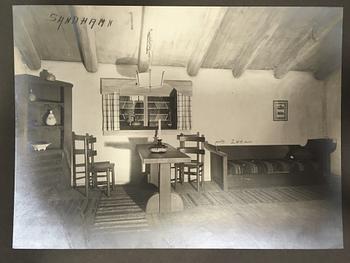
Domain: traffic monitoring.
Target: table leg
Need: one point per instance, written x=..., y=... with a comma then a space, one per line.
x=164, y=201
x=154, y=174
x=164, y=188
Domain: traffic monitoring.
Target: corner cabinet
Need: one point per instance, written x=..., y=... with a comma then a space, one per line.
x=35, y=99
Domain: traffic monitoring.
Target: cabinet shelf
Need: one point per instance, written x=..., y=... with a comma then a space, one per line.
x=47, y=102
x=48, y=151
x=46, y=127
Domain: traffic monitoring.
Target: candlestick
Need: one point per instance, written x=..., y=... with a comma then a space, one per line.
x=159, y=128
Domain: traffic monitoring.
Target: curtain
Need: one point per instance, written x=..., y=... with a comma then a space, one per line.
x=184, y=118
x=110, y=111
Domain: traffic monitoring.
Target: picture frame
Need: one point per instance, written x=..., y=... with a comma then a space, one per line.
x=280, y=110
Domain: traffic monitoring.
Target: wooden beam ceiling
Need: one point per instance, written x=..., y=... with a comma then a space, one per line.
x=263, y=33
x=237, y=38
x=86, y=39
x=305, y=46
x=25, y=44
x=212, y=23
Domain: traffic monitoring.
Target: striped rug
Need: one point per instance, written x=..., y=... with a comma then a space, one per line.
x=122, y=211
x=252, y=195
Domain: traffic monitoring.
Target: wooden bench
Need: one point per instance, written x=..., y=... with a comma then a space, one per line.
x=316, y=153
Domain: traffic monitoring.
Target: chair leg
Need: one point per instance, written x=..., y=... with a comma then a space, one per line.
x=108, y=183
x=197, y=175
x=94, y=180
x=202, y=178
x=189, y=174
x=74, y=179
x=181, y=173
x=113, y=179
x=86, y=184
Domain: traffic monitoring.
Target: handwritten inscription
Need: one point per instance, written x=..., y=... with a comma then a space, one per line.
x=240, y=141
x=234, y=141
x=91, y=22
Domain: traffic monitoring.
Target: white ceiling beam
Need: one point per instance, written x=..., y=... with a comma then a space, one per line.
x=306, y=45
x=86, y=38
x=211, y=24
x=142, y=61
x=25, y=44
x=261, y=36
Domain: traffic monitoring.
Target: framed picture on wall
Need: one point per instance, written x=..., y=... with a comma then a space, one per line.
x=280, y=110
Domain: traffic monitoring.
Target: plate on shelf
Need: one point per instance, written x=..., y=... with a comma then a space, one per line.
x=40, y=146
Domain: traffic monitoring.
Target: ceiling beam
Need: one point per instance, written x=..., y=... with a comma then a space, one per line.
x=264, y=32
x=86, y=38
x=25, y=44
x=304, y=47
x=211, y=24
x=142, y=60
x=328, y=64
x=330, y=59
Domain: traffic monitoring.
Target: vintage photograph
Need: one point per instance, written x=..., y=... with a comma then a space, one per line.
x=177, y=127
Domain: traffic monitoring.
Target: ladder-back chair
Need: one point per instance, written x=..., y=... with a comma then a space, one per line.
x=101, y=173
x=94, y=174
x=192, y=144
x=80, y=165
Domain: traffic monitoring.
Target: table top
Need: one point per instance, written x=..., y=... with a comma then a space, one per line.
x=171, y=156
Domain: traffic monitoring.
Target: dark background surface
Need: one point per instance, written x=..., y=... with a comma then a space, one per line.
x=7, y=158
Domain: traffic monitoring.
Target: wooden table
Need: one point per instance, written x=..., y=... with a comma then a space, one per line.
x=164, y=201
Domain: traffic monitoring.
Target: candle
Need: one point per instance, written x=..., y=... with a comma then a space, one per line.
x=159, y=128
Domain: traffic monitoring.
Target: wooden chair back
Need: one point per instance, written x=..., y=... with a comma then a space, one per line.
x=192, y=144
x=80, y=165
x=90, y=151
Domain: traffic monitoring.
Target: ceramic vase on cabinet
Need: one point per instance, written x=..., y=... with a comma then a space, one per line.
x=51, y=120
x=32, y=96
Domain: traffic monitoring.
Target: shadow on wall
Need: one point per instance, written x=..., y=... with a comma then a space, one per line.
x=136, y=175
x=127, y=67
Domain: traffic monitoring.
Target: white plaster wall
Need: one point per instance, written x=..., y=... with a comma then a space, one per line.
x=19, y=66
x=228, y=108
x=333, y=118
x=224, y=108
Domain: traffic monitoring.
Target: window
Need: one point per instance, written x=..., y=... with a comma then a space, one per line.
x=143, y=112
x=127, y=107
